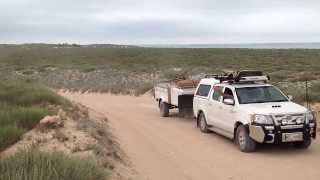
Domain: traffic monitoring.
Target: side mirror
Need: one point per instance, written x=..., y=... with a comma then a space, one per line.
x=228, y=102
x=290, y=97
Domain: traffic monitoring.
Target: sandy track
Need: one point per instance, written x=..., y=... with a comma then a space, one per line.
x=173, y=148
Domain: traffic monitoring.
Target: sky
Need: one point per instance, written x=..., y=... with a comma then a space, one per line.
x=159, y=21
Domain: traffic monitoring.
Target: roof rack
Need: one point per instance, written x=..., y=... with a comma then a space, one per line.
x=219, y=77
x=246, y=76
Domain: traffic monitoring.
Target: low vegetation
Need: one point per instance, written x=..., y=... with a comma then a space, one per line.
x=315, y=92
x=33, y=164
x=23, y=105
x=135, y=70
x=27, y=93
x=15, y=120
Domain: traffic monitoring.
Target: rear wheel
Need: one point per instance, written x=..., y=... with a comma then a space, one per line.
x=244, y=141
x=164, y=109
x=203, y=123
x=303, y=144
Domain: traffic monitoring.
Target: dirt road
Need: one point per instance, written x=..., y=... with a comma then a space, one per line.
x=173, y=148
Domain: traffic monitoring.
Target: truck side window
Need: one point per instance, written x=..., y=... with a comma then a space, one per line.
x=203, y=90
x=217, y=93
x=228, y=94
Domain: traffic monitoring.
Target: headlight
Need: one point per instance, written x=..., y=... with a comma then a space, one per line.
x=309, y=117
x=261, y=119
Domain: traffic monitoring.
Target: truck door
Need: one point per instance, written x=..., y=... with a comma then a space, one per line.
x=200, y=100
x=213, y=109
x=227, y=111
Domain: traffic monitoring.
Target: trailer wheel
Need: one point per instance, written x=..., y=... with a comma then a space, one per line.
x=164, y=109
x=245, y=143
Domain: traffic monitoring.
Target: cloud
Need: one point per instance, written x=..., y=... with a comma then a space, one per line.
x=166, y=21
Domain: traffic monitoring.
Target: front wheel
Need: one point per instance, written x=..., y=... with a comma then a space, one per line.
x=203, y=123
x=303, y=144
x=244, y=141
x=164, y=109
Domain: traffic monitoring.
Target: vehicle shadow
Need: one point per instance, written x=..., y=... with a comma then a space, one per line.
x=265, y=149
x=284, y=149
x=185, y=116
x=271, y=149
x=278, y=149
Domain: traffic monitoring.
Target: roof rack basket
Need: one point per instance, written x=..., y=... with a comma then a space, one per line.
x=246, y=76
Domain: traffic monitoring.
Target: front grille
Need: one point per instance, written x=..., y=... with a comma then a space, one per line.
x=288, y=119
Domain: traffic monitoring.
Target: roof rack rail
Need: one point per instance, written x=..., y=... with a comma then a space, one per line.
x=219, y=77
x=246, y=76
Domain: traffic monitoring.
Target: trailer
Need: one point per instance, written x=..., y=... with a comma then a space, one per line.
x=175, y=94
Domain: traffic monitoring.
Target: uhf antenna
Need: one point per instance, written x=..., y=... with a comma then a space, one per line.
x=307, y=95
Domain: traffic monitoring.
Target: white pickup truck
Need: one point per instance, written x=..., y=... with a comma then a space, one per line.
x=175, y=94
x=251, y=112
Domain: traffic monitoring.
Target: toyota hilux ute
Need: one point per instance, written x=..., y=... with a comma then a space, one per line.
x=250, y=111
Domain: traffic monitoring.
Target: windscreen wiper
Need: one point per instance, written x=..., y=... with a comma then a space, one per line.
x=282, y=100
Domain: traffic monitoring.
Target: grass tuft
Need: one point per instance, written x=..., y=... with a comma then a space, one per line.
x=14, y=121
x=23, y=105
x=9, y=135
x=26, y=93
x=33, y=164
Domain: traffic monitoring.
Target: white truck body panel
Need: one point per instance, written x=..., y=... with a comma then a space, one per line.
x=266, y=108
x=200, y=102
x=222, y=118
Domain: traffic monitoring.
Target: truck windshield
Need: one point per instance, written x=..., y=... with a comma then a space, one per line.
x=261, y=94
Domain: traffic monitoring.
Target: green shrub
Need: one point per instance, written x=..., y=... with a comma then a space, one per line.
x=279, y=76
x=315, y=87
x=14, y=121
x=23, y=105
x=303, y=77
x=9, y=135
x=27, y=93
x=27, y=118
x=315, y=92
x=23, y=117
x=36, y=165
x=28, y=72
x=142, y=89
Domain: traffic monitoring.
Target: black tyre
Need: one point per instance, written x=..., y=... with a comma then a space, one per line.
x=202, y=123
x=164, y=109
x=303, y=144
x=244, y=141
